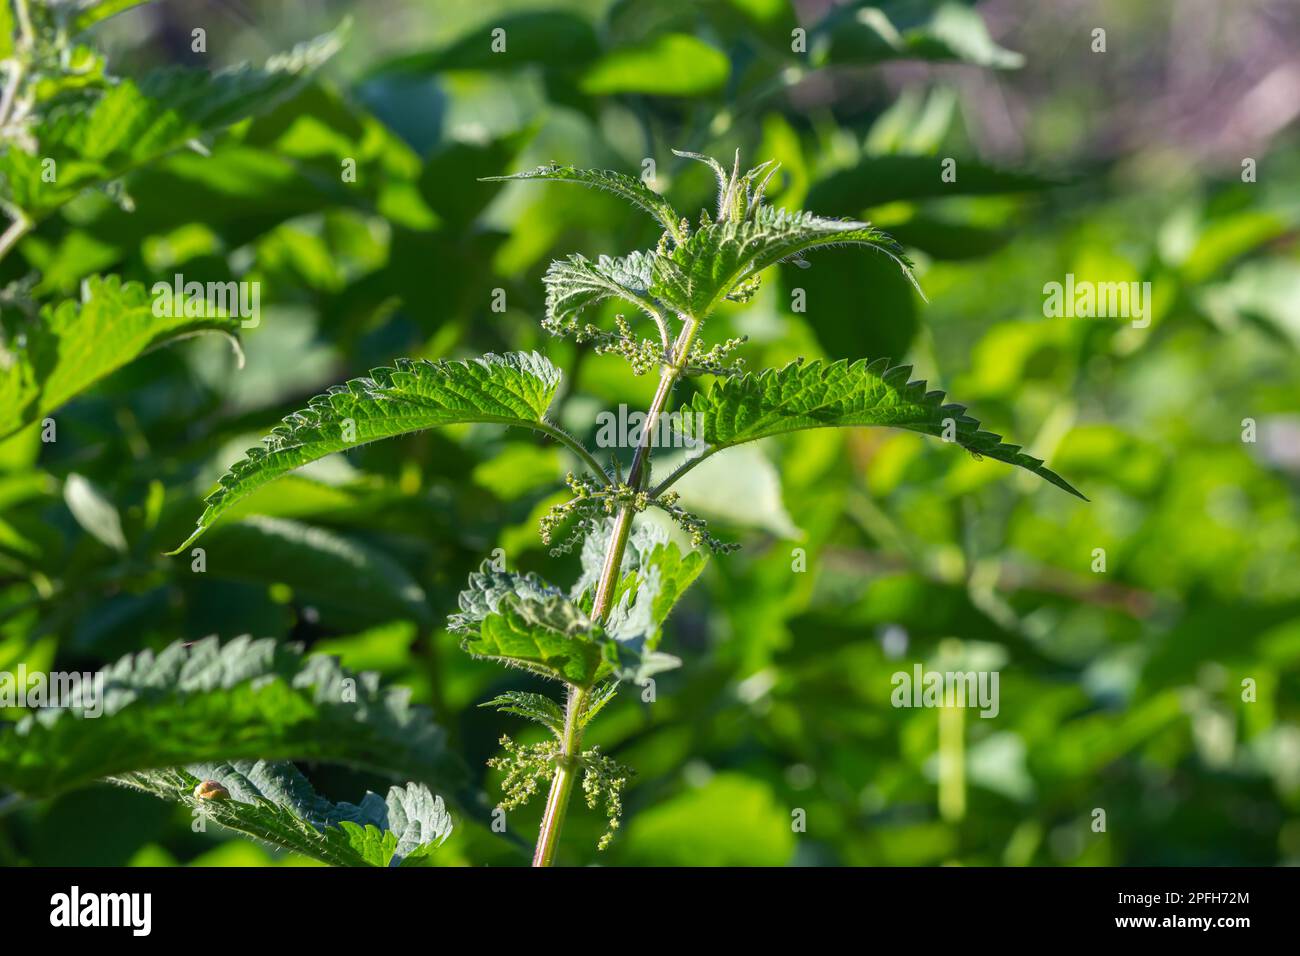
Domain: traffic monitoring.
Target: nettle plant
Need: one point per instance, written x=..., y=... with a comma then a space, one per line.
x=216, y=726
x=606, y=629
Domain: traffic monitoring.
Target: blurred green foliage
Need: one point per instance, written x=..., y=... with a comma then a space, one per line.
x=865, y=551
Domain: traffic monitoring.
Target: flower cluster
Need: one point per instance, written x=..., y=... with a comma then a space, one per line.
x=604, y=778
x=641, y=354
x=692, y=524
x=713, y=361
x=527, y=767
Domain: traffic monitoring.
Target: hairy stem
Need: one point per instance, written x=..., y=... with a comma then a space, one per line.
x=640, y=461
x=557, y=801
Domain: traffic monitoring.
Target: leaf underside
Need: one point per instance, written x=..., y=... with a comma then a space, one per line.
x=274, y=803
x=523, y=622
x=245, y=699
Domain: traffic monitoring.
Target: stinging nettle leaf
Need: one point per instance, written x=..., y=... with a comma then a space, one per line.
x=487, y=588
x=575, y=283
x=516, y=388
x=625, y=187
x=658, y=575
x=721, y=256
x=244, y=699
x=536, y=707
x=838, y=394
x=550, y=638
x=274, y=803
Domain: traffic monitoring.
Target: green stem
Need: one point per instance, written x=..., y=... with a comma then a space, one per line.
x=640, y=462
x=557, y=801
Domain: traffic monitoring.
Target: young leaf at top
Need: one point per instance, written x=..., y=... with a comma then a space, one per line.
x=623, y=186
x=724, y=259
x=512, y=389
x=73, y=345
x=246, y=699
x=274, y=803
x=836, y=394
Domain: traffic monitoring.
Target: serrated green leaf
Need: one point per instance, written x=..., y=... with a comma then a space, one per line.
x=74, y=345
x=719, y=257
x=512, y=389
x=274, y=803
x=838, y=394
x=488, y=587
x=245, y=699
x=536, y=707
x=600, y=695
x=549, y=637
x=625, y=187
x=133, y=124
x=575, y=283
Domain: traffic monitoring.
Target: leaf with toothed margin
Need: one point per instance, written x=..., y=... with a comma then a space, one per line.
x=516, y=388
x=722, y=256
x=621, y=185
x=75, y=344
x=274, y=803
x=488, y=587
x=244, y=699
x=536, y=707
x=549, y=637
x=577, y=282
x=838, y=394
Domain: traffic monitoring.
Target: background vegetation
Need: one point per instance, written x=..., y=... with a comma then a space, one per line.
x=1120, y=690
